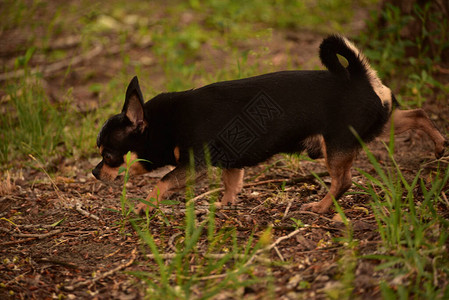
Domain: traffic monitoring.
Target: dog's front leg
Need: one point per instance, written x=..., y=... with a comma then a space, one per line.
x=174, y=180
x=339, y=166
x=233, y=184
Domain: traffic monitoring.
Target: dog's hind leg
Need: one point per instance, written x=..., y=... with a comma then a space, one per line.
x=233, y=184
x=339, y=166
x=416, y=119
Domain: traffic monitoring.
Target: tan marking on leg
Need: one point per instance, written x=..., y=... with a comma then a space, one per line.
x=176, y=153
x=339, y=166
x=416, y=119
x=155, y=196
x=159, y=191
x=233, y=184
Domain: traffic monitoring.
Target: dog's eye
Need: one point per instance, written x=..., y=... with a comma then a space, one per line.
x=107, y=158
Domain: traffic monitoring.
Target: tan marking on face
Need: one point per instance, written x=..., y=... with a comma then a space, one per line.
x=101, y=149
x=176, y=153
x=107, y=173
x=136, y=167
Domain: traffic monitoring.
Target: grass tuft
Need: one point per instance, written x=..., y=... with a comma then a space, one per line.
x=414, y=235
x=31, y=123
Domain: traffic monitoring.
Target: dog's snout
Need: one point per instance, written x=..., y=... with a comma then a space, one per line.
x=96, y=173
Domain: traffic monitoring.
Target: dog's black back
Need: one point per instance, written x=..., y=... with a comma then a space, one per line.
x=243, y=122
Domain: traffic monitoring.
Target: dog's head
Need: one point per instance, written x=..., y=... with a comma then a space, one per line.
x=122, y=133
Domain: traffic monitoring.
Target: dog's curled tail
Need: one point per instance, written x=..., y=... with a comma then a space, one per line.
x=353, y=66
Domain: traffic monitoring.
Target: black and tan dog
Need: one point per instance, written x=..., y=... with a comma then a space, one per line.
x=243, y=122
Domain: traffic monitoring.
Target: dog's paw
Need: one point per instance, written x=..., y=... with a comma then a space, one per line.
x=219, y=205
x=222, y=205
x=315, y=207
x=439, y=151
x=141, y=208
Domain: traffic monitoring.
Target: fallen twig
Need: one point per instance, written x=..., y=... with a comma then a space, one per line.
x=183, y=210
x=72, y=61
x=57, y=66
x=209, y=255
x=16, y=242
x=289, y=182
x=36, y=236
x=58, y=262
x=28, y=236
x=78, y=208
x=255, y=256
x=92, y=281
x=279, y=254
x=287, y=209
x=305, y=212
x=16, y=279
x=282, y=238
x=171, y=240
x=443, y=195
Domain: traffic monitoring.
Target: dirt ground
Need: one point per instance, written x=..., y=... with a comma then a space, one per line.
x=86, y=253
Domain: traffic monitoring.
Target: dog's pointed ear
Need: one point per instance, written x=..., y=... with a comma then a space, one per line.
x=133, y=107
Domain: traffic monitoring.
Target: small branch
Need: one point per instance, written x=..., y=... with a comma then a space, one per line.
x=58, y=262
x=279, y=254
x=171, y=240
x=57, y=66
x=92, y=281
x=37, y=236
x=16, y=279
x=78, y=208
x=287, y=209
x=254, y=257
x=443, y=195
x=209, y=255
x=305, y=212
x=204, y=195
x=181, y=211
x=28, y=236
x=16, y=242
x=279, y=240
x=289, y=182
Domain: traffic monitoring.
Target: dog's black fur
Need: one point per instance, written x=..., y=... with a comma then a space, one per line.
x=243, y=122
